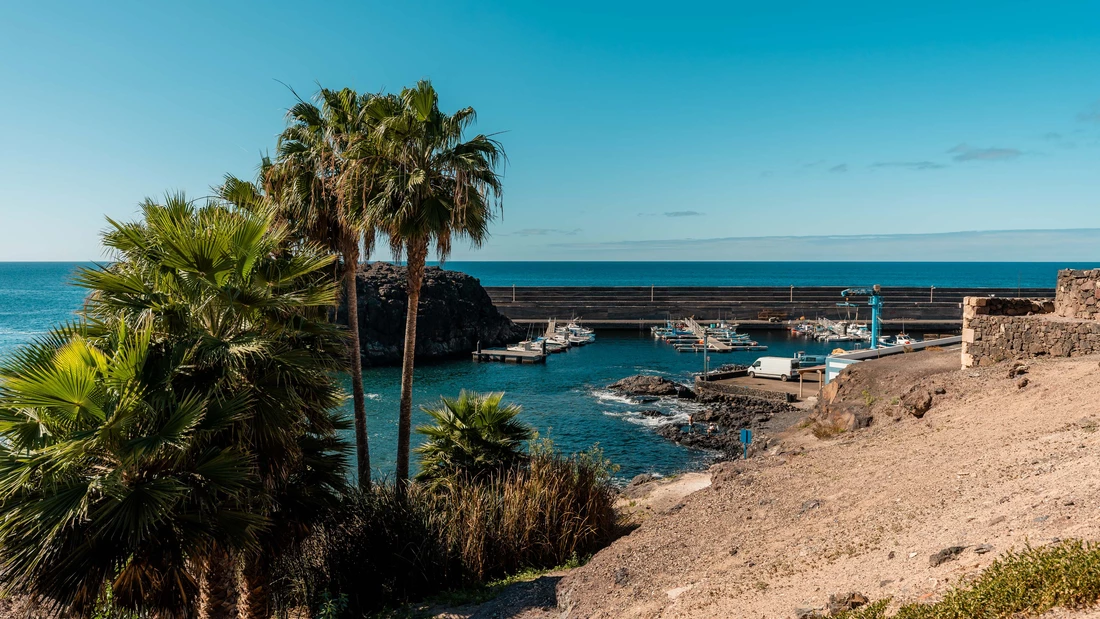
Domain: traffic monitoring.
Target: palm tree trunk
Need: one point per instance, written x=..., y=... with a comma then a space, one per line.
x=253, y=592
x=215, y=587
x=417, y=253
x=362, y=447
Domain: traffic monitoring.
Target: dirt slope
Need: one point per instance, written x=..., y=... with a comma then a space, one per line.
x=990, y=463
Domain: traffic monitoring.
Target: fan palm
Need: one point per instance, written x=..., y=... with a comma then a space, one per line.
x=429, y=186
x=474, y=436
x=107, y=476
x=233, y=332
x=309, y=181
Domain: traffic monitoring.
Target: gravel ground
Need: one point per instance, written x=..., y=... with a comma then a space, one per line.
x=989, y=464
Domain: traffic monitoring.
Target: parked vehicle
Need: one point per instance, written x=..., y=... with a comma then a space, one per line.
x=783, y=368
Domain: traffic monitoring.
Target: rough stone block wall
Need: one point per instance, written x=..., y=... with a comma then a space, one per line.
x=1078, y=294
x=989, y=339
x=995, y=329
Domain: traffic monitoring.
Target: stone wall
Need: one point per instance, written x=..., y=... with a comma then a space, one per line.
x=995, y=329
x=1078, y=294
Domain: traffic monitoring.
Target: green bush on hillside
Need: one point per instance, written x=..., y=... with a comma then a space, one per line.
x=1026, y=583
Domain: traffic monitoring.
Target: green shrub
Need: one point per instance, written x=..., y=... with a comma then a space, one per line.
x=1027, y=583
x=474, y=435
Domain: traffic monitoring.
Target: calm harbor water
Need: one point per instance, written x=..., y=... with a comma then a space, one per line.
x=566, y=398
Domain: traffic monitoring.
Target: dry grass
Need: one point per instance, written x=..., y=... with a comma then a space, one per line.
x=542, y=515
x=381, y=550
x=825, y=429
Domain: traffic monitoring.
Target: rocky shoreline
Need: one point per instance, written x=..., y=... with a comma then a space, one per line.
x=717, y=425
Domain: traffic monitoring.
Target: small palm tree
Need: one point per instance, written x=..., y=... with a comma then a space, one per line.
x=430, y=185
x=473, y=436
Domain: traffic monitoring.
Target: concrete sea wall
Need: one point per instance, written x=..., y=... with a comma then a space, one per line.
x=632, y=306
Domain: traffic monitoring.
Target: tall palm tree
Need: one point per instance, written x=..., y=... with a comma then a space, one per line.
x=309, y=180
x=474, y=435
x=430, y=186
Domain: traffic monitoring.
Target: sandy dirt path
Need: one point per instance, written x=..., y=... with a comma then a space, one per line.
x=990, y=464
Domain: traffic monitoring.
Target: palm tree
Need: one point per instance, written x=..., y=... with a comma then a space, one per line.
x=309, y=182
x=107, y=477
x=185, y=424
x=473, y=436
x=430, y=186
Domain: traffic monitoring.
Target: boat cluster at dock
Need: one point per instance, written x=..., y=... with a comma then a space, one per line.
x=557, y=338
x=826, y=330
x=688, y=335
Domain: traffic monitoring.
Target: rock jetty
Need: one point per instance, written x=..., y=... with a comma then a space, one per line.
x=455, y=314
x=652, y=385
x=718, y=425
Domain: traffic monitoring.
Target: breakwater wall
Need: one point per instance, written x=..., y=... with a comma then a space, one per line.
x=636, y=306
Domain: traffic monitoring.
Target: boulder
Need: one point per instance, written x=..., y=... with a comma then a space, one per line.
x=947, y=554
x=842, y=603
x=455, y=314
x=917, y=402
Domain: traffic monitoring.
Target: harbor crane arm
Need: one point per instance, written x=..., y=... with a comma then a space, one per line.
x=869, y=291
x=875, y=301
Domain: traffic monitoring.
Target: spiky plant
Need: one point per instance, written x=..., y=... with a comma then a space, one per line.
x=474, y=436
x=232, y=331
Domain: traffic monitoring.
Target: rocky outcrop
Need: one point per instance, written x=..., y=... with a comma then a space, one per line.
x=455, y=314
x=651, y=385
x=718, y=426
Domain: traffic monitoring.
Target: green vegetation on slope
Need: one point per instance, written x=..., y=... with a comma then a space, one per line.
x=1024, y=583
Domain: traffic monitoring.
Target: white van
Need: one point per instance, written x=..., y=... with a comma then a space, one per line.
x=783, y=368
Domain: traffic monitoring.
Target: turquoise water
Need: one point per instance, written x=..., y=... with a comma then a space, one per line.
x=566, y=398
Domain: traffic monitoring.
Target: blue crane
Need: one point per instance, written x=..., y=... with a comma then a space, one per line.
x=874, y=300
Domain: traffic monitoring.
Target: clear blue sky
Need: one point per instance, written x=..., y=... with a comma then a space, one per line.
x=656, y=122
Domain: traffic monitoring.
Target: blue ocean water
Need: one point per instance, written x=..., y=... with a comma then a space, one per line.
x=566, y=398
x=939, y=274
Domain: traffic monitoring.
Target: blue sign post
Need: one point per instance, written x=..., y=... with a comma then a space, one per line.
x=746, y=438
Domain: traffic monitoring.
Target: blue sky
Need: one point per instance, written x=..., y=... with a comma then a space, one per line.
x=634, y=130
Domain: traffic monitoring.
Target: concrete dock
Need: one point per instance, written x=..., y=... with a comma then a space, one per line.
x=504, y=355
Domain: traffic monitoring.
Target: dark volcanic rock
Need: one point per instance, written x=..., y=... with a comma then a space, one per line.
x=651, y=385
x=455, y=314
x=947, y=554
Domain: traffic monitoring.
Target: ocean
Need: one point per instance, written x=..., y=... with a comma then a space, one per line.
x=566, y=399
x=920, y=274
